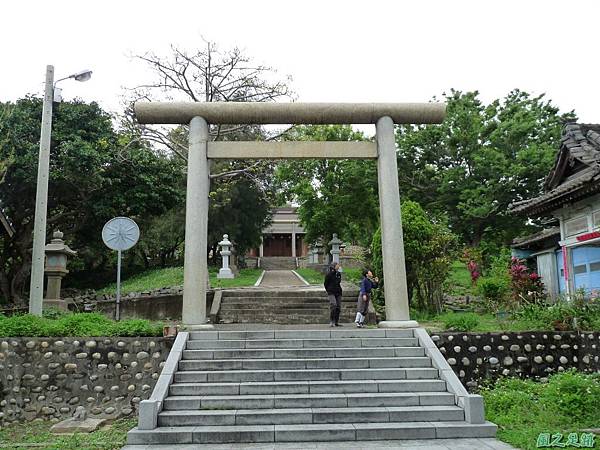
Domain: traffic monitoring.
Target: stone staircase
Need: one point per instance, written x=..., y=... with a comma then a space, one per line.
x=285, y=306
x=278, y=263
x=307, y=385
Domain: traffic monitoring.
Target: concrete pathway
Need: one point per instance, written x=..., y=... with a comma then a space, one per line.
x=422, y=444
x=280, y=278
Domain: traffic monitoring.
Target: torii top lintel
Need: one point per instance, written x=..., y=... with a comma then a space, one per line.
x=288, y=113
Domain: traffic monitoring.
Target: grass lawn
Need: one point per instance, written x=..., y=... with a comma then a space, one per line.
x=459, y=280
x=315, y=277
x=26, y=435
x=173, y=276
x=522, y=409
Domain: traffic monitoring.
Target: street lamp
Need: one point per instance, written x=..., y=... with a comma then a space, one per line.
x=36, y=291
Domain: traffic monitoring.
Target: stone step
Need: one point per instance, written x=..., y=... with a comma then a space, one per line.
x=304, y=353
x=305, y=374
x=296, y=400
x=336, y=333
x=310, y=432
x=321, y=363
x=308, y=387
x=300, y=343
x=292, y=415
x=350, y=294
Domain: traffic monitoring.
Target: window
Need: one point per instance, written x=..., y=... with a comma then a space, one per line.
x=576, y=226
x=595, y=266
x=596, y=219
x=580, y=269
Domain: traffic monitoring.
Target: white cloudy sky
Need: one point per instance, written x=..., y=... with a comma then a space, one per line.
x=376, y=50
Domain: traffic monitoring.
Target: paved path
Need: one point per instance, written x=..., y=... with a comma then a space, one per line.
x=422, y=444
x=280, y=278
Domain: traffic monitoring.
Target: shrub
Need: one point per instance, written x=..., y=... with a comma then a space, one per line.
x=82, y=324
x=526, y=286
x=460, y=321
x=492, y=289
x=573, y=394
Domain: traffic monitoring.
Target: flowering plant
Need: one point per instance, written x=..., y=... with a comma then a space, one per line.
x=526, y=286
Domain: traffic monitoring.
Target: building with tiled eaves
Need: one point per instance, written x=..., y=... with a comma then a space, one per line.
x=568, y=255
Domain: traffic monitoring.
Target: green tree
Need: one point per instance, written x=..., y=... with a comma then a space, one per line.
x=335, y=196
x=479, y=160
x=429, y=249
x=95, y=174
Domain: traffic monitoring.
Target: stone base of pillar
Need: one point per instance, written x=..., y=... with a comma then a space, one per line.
x=225, y=273
x=398, y=324
x=57, y=303
x=199, y=327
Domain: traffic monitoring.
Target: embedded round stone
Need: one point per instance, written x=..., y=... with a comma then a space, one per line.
x=461, y=374
x=521, y=359
x=96, y=355
x=504, y=337
x=139, y=376
x=102, y=366
x=557, y=337
x=81, y=355
x=114, y=388
x=109, y=410
x=146, y=387
x=472, y=349
x=465, y=361
x=90, y=399
x=501, y=347
x=508, y=361
x=563, y=360
x=539, y=347
x=152, y=344
x=136, y=400
x=30, y=344
x=111, y=355
x=98, y=389
x=549, y=358
x=457, y=349
x=465, y=338
x=137, y=344
x=142, y=355
x=450, y=338
x=73, y=400
x=487, y=348
x=91, y=344
x=494, y=360
x=527, y=347
x=565, y=346
x=506, y=372
x=134, y=364
x=515, y=348
x=44, y=377
x=131, y=387
x=93, y=377
x=479, y=361
x=59, y=344
x=538, y=359
x=121, y=344
x=156, y=355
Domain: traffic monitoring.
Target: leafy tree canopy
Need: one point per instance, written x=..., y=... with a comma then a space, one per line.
x=335, y=196
x=479, y=160
x=95, y=174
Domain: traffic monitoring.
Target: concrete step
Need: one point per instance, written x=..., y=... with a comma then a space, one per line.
x=336, y=333
x=300, y=343
x=310, y=432
x=301, y=353
x=292, y=415
x=308, y=387
x=321, y=363
x=350, y=294
x=305, y=374
x=296, y=400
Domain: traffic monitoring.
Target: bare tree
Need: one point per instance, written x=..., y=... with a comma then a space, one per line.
x=207, y=75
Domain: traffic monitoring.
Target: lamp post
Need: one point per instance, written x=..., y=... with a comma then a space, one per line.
x=36, y=290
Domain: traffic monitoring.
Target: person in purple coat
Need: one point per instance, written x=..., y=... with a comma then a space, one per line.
x=367, y=284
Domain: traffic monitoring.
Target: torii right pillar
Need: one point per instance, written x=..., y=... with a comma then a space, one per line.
x=392, y=244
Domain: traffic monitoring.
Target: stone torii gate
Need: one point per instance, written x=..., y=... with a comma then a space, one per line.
x=199, y=115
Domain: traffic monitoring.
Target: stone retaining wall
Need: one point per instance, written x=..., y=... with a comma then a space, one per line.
x=533, y=354
x=49, y=377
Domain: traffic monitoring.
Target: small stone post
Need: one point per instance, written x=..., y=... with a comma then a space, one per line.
x=57, y=253
x=225, y=271
x=335, y=248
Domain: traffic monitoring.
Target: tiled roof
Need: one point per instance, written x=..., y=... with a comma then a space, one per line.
x=536, y=237
x=576, y=171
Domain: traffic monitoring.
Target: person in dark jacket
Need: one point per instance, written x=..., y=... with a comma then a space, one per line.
x=367, y=284
x=333, y=286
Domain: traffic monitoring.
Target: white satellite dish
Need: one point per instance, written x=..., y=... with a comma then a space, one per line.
x=120, y=234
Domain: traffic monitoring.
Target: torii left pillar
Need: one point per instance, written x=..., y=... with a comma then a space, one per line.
x=195, y=270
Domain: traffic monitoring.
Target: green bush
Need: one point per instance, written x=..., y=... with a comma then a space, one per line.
x=492, y=289
x=573, y=394
x=460, y=321
x=81, y=324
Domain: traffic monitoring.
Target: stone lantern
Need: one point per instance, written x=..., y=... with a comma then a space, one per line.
x=225, y=271
x=335, y=248
x=57, y=253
